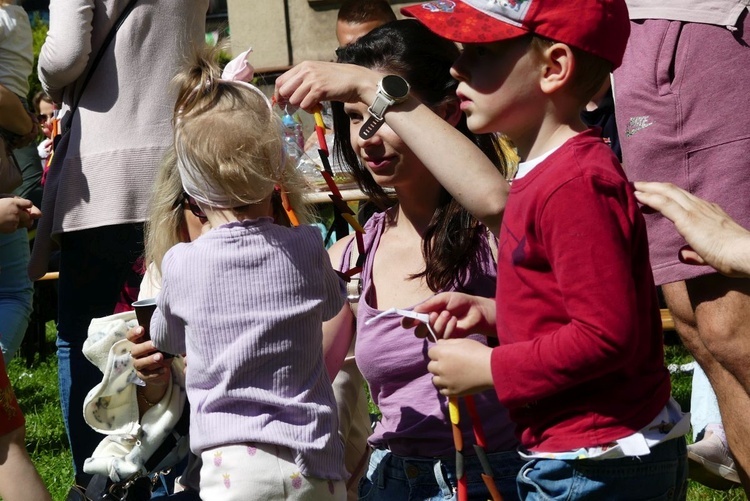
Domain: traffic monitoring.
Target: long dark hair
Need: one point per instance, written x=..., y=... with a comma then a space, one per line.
x=453, y=237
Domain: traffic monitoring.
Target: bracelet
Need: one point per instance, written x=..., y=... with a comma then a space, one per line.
x=145, y=400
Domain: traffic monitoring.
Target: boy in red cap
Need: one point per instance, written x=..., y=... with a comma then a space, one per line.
x=580, y=361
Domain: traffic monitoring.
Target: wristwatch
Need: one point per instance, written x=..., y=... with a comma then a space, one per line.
x=392, y=89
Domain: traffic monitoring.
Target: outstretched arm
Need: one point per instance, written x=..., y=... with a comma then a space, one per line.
x=457, y=163
x=713, y=237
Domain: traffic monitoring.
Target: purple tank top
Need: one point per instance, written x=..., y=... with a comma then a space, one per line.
x=394, y=362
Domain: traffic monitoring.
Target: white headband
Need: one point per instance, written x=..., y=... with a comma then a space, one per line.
x=194, y=183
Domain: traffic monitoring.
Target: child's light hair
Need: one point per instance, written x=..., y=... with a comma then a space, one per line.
x=229, y=140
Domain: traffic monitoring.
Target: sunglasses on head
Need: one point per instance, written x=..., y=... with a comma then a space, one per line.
x=192, y=205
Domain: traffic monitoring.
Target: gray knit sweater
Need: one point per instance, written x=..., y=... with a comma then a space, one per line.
x=246, y=302
x=104, y=172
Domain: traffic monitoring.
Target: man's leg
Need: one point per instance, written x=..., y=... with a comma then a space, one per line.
x=712, y=316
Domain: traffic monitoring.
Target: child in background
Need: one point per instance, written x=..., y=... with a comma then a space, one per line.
x=246, y=302
x=580, y=361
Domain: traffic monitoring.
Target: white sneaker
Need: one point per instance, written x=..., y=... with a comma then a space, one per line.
x=711, y=463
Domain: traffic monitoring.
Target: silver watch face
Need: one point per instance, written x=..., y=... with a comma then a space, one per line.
x=395, y=86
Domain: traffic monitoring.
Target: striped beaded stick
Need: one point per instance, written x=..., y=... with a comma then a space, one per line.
x=339, y=205
x=458, y=442
x=480, y=448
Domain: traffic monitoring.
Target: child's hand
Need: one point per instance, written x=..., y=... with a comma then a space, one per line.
x=453, y=314
x=150, y=364
x=460, y=367
x=44, y=149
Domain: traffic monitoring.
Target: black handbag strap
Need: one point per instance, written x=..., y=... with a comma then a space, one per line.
x=110, y=36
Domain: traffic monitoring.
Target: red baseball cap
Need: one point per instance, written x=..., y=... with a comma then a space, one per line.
x=599, y=27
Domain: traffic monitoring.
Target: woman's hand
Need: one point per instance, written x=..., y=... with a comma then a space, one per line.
x=150, y=364
x=311, y=82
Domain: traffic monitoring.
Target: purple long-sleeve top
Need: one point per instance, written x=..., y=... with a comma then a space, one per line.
x=246, y=302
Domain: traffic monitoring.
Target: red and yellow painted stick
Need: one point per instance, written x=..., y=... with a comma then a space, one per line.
x=458, y=442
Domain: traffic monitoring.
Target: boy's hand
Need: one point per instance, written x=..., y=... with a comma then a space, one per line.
x=453, y=314
x=460, y=367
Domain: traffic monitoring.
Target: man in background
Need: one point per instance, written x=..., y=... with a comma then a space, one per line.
x=357, y=17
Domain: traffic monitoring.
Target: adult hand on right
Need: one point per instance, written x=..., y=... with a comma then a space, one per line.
x=713, y=237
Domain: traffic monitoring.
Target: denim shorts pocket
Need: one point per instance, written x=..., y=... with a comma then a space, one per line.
x=546, y=480
x=370, y=479
x=364, y=488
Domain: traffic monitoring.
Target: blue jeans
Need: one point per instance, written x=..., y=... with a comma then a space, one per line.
x=390, y=477
x=94, y=264
x=661, y=475
x=16, y=291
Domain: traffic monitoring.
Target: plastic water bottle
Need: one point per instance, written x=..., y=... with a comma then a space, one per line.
x=294, y=139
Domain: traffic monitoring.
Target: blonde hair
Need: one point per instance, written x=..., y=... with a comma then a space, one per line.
x=166, y=225
x=227, y=132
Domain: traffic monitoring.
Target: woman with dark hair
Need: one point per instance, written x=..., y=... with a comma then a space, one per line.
x=424, y=244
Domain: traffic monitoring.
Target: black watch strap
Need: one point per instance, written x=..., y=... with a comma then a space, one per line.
x=370, y=127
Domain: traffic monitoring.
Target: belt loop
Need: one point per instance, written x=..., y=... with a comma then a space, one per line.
x=442, y=480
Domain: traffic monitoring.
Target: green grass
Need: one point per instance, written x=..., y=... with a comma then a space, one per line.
x=36, y=389
x=46, y=440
